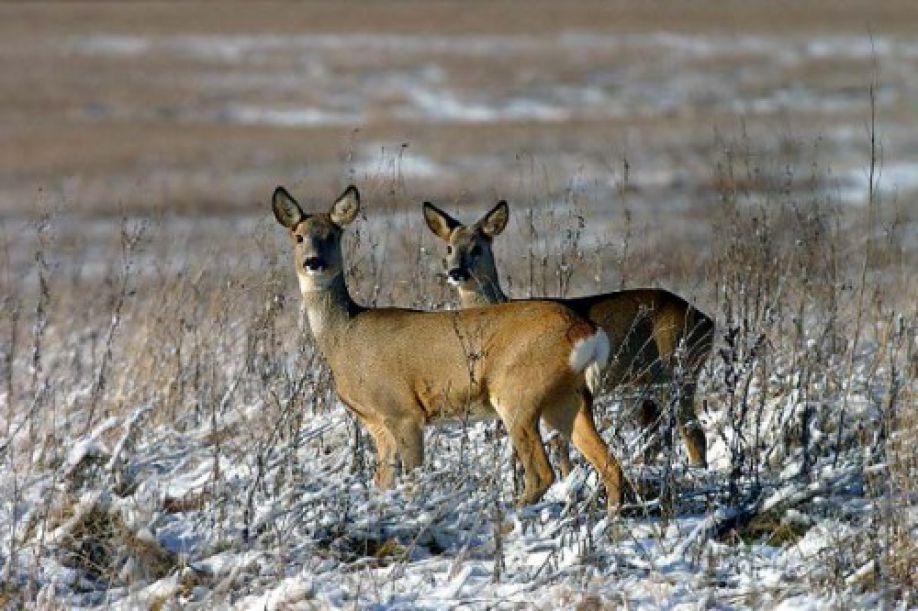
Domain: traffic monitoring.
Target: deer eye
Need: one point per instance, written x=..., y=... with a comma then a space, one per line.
x=299, y=238
x=449, y=249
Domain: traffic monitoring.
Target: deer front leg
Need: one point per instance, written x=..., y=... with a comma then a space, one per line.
x=385, y=454
x=409, y=439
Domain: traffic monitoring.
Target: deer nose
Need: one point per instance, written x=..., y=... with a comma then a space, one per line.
x=314, y=264
x=457, y=274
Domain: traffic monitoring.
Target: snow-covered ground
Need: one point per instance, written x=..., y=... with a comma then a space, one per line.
x=155, y=514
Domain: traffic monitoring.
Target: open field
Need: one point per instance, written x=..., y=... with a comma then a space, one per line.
x=148, y=107
x=170, y=439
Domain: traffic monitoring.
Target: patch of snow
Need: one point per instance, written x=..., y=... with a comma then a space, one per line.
x=289, y=117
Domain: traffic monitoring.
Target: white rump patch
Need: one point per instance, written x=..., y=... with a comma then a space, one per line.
x=590, y=349
x=590, y=355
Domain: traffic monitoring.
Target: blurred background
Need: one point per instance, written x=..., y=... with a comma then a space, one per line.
x=630, y=110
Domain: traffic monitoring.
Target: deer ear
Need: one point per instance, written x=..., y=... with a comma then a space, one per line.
x=346, y=207
x=495, y=221
x=287, y=212
x=439, y=222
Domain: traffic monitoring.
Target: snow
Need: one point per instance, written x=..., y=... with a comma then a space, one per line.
x=318, y=541
x=287, y=117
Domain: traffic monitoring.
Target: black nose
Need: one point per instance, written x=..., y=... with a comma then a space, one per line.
x=314, y=264
x=457, y=274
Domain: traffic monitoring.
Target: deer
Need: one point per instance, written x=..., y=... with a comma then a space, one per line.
x=399, y=370
x=662, y=340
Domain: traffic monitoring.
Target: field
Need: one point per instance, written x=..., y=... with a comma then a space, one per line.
x=170, y=438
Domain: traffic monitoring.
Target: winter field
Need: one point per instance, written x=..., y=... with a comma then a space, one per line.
x=169, y=437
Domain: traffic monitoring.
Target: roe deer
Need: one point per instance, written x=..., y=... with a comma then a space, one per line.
x=660, y=338
x=399, y=370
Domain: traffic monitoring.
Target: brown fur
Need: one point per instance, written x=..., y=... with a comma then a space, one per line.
x=400, y=370
x=646, y=327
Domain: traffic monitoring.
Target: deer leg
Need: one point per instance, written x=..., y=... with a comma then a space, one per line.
x=385, y=454
x=587, y=440
x=560, y=417
x=690, y=427
x=409, y=438
x=527, y=442
x=681, y=370
x=561, y=446
x=649, y=417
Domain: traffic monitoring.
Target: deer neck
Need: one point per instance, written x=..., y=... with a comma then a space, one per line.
x=484, y=293
x=329, y=310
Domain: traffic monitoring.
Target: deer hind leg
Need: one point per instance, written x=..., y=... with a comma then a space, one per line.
x=559, y=416
x=538, y=473
x=586, y=439
x=649, y=417
x=527, y=443
x=561, y=447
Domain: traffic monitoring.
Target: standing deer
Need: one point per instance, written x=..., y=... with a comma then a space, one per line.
x=399, y=370
x=660, y=337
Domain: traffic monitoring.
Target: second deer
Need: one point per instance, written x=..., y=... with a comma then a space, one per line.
x=660, y=339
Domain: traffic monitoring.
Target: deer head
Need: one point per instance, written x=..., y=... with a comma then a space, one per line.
x=316, y=237
x=469, y=260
